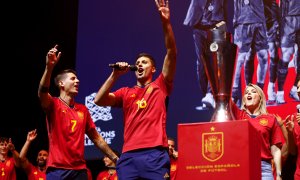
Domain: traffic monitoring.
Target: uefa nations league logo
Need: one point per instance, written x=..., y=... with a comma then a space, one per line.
x=97, y=112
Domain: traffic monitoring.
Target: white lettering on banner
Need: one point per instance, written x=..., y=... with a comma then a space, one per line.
x=99, y=113
x=108, y=136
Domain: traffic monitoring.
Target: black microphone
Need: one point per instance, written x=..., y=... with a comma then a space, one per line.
x=116, y=66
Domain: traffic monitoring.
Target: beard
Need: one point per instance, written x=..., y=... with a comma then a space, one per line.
x=41, y=163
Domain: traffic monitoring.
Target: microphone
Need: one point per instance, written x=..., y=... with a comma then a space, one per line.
x=116, y=66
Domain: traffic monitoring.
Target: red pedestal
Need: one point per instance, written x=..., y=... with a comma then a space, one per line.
x=218, y=150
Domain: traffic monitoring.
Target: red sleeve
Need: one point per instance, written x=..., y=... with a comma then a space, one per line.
x=119, y=96
x=168, y=86
x=89, y=173
x=236, y=111
x=89, y=121
x=101, y=175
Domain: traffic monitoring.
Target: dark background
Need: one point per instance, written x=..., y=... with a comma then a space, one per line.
x=31, y=28
x=97, y=32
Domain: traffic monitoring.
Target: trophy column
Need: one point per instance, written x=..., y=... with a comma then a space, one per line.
x=219, y=69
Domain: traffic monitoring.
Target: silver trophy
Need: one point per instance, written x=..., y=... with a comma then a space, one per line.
x=219, y=68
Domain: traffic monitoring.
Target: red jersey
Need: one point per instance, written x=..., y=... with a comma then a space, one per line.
x=104, y=175
x=296, y=134
x=173, y=169
x=7, y=169
x=268, y=129
x=145, y=114
x=33, y=173
x=66, y=131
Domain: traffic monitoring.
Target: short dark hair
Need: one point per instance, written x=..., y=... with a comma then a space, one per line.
x=171, y=139
x=4, y=139
x=61, y=75
x=143, y=54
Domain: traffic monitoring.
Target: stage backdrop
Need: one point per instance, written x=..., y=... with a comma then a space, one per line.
x=117, y=30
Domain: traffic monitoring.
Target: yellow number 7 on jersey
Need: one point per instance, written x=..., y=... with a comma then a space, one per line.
x=74, y=122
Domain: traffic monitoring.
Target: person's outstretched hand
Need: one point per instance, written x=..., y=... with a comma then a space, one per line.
x=163, y=8
x=31, y=135
x=53, y=56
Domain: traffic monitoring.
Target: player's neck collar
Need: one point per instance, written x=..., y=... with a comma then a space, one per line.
x=144, y=85
x=70, y=106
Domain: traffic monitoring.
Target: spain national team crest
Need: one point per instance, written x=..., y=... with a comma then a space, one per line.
x=80, y=114
x=263, y=122
x=212, y=145
x=149, y=90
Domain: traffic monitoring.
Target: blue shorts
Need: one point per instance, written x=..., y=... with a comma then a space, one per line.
x=266, y=171
x=66, y=174
x=150, y=163
x=253, y=35
x=290, y=30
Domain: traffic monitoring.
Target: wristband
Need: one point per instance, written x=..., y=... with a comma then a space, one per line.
x=115, y=159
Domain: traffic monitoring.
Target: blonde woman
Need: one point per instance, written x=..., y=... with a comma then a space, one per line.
x=254, y=110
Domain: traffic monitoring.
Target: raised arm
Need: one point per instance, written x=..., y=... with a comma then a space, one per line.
x=30, y=137
x=104, y=97
x=52, y=58
x=281, y=123
x=290, y=125
x=15, y=154
x=169, y=66
x=276, y=153
x=102, y=145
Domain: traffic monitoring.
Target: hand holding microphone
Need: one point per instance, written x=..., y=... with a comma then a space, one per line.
x=118, y=67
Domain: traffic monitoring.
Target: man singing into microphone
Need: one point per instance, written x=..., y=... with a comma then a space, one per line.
x=144, y=154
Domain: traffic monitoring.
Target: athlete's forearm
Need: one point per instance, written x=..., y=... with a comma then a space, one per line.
x=103, y=97
x=102, y=145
